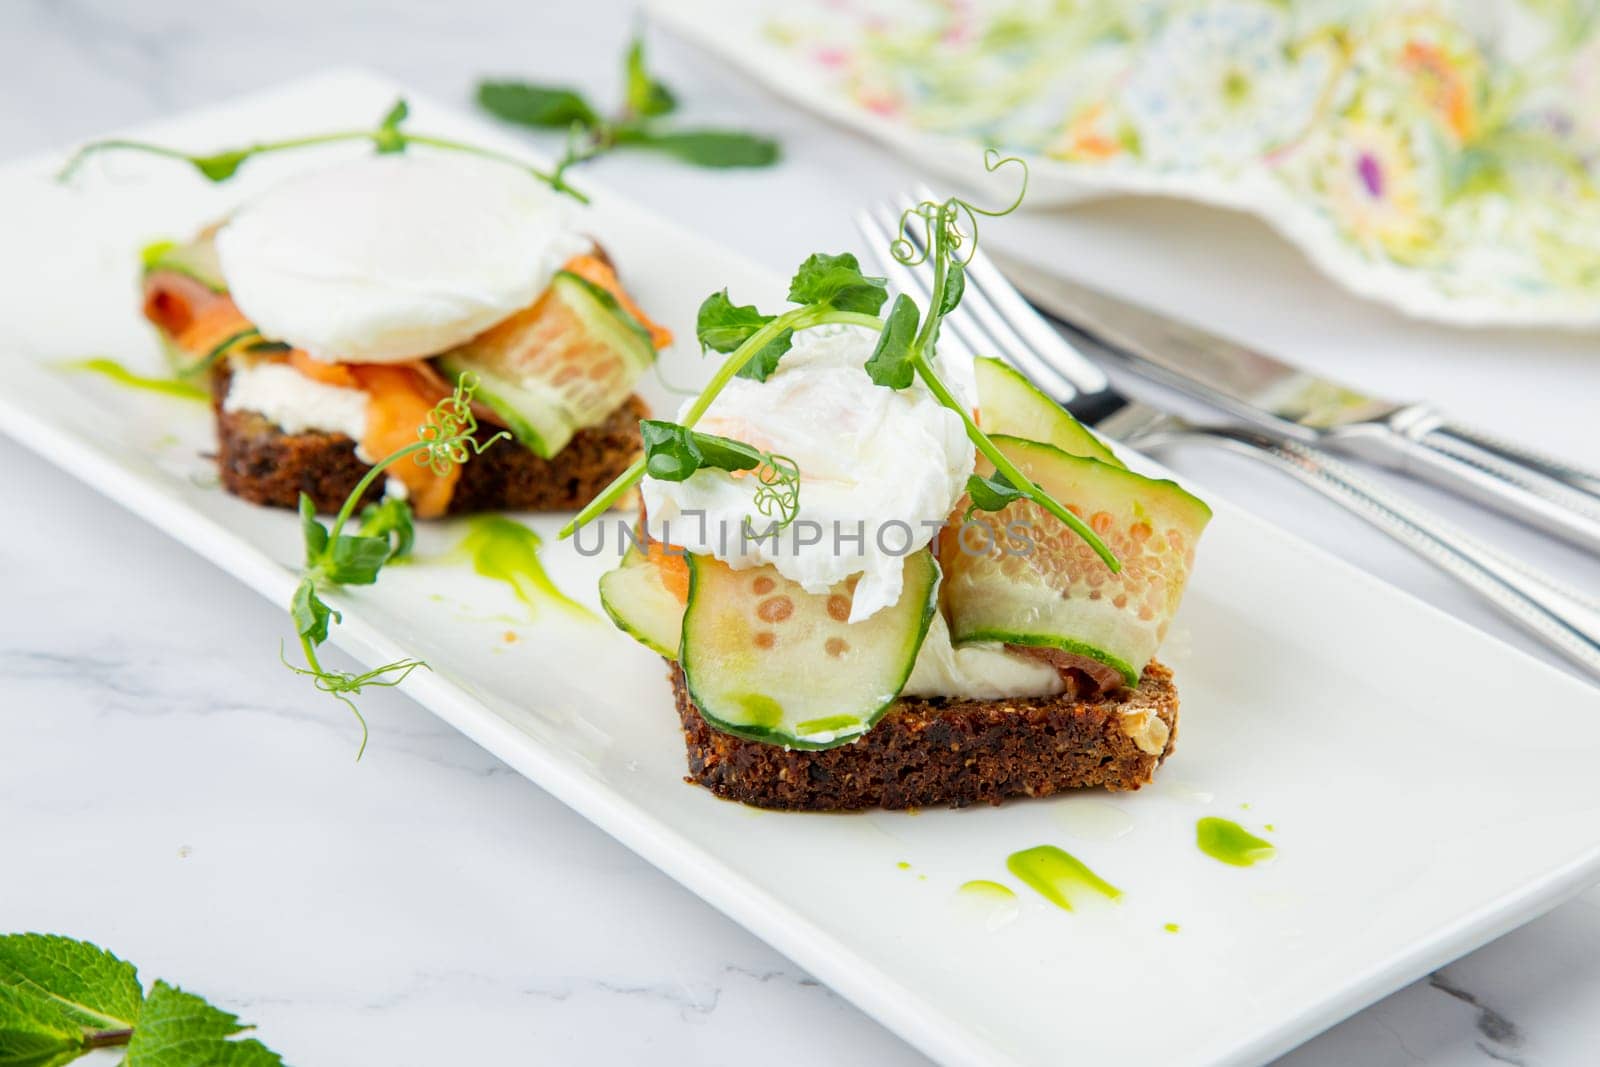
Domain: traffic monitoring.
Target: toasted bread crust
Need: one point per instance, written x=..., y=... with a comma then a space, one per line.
x=927, y=753
x=261, y=463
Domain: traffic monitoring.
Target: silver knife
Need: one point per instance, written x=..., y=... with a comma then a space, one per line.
x=1550, y=494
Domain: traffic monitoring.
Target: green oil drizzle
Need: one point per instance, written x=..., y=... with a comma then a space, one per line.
x=1058, y=876
x=903, y=865
x=110, y=368
x=1171, y=928
x=1226, y=840
x=507, y=551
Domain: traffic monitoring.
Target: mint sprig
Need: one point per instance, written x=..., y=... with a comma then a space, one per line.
x=645, y=101
x=61, y=999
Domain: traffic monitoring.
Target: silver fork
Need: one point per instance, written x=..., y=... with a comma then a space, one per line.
x=993, y=318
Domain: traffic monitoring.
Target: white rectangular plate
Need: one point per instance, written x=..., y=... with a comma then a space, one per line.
x=1428, y=787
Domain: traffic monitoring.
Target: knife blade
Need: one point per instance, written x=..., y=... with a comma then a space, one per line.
x=1552, y=495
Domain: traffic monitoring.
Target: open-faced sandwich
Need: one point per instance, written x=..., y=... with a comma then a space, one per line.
x=333, y=312
x=866, y=599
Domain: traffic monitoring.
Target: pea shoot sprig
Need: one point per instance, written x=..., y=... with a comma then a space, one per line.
x=387, y=137
x=832, y=289
x=829, y=289
x=386, y=533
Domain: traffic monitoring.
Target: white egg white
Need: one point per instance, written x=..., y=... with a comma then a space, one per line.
x=389, y=258
x=889, y=464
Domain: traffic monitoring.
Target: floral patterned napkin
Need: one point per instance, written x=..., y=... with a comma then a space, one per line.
x=1441, y=156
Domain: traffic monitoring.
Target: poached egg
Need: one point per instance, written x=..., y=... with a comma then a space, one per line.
x=388, y=258
x=880, y=471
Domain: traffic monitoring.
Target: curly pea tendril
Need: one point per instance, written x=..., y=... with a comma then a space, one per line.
x=446, y=439
x=943, y=219
x=778, y=493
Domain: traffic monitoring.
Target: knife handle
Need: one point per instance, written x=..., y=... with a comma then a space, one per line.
x=1568, y=622
x=1547, y=494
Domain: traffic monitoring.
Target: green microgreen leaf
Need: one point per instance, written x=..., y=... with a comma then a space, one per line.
x=311, y=616
x=388, y=138
x=391, y=520
x=355, y=560
x=446, y=439
x=674, y=452
x=723, y=326
x=892, y=363
x=704, y=147
x=546, y=106
x=312, y=532
x=837, y=282
x=955, y=284
x=222, y=165
x=994, y=493
x=643, y=94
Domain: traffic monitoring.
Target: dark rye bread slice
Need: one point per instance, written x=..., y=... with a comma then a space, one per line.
x=261, y=463
x=927, y=753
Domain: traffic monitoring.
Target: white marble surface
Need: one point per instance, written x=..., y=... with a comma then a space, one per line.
x=166, y=790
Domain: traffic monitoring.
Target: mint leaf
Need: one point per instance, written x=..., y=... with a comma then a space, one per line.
x=391, y=520
x=838, y=282
x=388, y=137
x=34, y=1032
x=179, y=1029
x=88, y=986
x=311, y=616
x=890, y=364
x=644, y=95
x=705, y=148
x=536, y=105
x=312, y=532
x=994, y=493
x=723, y=326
